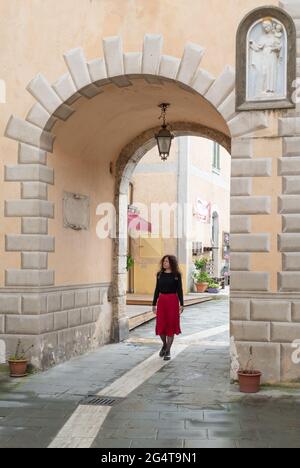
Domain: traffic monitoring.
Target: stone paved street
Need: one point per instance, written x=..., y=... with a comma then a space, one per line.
x=188, y=402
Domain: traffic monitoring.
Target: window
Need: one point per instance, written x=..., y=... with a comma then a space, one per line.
x=216, y=157
x=197, y=248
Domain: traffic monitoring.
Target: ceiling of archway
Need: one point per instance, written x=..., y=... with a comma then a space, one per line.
x=103, y=126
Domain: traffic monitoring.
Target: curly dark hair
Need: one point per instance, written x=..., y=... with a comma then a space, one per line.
x=173, y=264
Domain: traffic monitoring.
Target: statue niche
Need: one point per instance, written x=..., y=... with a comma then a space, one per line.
x=267, y=61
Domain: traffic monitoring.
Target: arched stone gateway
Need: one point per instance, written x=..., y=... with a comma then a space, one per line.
x=118, y=96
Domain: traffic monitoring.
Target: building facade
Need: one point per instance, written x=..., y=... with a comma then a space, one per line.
x=80, y=84
x=195, y=180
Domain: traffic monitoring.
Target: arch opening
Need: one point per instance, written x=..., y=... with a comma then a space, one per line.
x=127, y=161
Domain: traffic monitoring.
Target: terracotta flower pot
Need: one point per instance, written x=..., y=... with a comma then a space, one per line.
x=201, y=287
x=18, y=368
x=249, y=383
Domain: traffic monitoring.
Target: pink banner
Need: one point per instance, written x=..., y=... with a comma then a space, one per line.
x=202, y=210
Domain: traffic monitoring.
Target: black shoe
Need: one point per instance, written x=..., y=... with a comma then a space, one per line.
x=162, y=351
x=167, y=356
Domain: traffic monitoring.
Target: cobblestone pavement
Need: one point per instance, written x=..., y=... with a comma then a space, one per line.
x=189, y=402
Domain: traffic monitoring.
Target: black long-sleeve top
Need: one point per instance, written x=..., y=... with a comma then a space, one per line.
x=167, y=283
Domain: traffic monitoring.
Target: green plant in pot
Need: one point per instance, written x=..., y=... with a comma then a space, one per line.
x=201, y=279
x=213, y=287
x=201, y=263
x=249, y=377
x=18, y=362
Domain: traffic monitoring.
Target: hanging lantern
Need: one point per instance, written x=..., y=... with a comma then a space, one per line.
x=164, y=137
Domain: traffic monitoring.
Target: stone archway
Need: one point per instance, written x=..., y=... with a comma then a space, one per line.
x=34, y=283
x=126, y=163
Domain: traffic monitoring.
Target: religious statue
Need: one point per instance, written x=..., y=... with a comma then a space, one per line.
x=266, y=59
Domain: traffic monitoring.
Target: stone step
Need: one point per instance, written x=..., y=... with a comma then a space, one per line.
x=147, y=301
x=144, y=317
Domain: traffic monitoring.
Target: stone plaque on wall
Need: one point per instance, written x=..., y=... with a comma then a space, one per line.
x=266, y=60
x=76, y=211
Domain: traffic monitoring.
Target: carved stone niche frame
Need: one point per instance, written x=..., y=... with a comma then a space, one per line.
x=76, y=211
x=242, y=104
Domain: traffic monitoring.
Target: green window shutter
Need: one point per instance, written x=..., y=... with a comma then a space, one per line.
x=216, y=156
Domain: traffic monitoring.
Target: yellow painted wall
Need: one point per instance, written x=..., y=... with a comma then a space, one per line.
x=272, y=223
x=80, y=257
x=34, y=34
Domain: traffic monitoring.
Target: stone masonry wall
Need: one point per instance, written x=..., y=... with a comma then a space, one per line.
x=60, y=322
x=265, y=305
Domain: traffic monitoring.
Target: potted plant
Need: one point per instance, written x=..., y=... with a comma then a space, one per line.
x=213, y=287
x=201, y=279
x=18, y=362
x=249, y=377
x=200, y=264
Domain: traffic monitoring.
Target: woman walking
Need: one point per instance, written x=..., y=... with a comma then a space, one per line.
x=167, y=302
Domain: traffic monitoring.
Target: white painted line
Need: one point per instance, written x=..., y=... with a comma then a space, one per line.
x=213, y=344
x=197, y=337
x=72, y=442
x=139, y=374
x=83, y=426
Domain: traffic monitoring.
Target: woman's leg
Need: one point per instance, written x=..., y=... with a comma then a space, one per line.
x=163, y=349
x=170, y=340
x=164, y=340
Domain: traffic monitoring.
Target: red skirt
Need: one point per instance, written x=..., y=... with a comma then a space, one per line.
x=168, y=315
